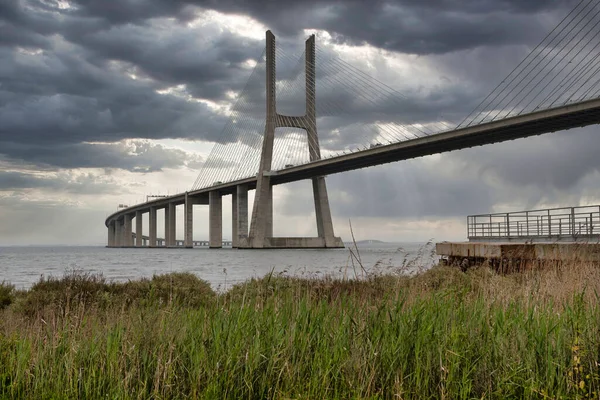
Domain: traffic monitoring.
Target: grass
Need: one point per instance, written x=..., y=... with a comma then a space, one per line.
x=442, y=333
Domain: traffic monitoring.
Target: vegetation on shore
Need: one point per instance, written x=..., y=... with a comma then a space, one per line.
x=442, y=333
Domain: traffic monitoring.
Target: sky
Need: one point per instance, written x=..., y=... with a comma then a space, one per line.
x=105, y=102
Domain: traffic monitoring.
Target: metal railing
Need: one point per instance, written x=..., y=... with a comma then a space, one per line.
x=568, y=223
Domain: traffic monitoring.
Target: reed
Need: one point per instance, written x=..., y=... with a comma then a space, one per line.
x=442, y=333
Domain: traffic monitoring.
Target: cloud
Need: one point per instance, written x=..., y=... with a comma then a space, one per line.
x=552, y=170
x=131, y=155
x=88, y=87
x=409, y=26
x=59, y=182
x=27, y=220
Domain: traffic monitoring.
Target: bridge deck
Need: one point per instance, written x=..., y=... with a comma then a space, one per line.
x=537, y=123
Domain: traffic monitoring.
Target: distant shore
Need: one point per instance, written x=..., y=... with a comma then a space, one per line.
x=441, y=333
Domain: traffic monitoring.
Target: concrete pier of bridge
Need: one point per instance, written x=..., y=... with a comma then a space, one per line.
x=239, y=215
x=261, y=228
x=138, y=229
x=215, y=219
x=152, y=227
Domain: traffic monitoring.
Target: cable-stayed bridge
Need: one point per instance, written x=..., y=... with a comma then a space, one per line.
x=314, y=124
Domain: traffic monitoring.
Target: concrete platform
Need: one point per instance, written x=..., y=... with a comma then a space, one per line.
x=517, y=255
x=297, y=243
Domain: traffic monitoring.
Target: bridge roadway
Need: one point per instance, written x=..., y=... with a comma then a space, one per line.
x=531, y=124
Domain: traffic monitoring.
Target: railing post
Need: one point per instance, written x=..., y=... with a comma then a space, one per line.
x=527, y=221
x=587, y=226
x=560, y=226
x=468, y=227
x=507, y=225
x=572, y=221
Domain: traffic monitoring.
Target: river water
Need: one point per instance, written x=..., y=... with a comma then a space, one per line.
x=23, y=266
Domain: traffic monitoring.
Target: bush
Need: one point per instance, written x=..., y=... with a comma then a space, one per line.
x=73, y=289
x=373, y=288
x=7, y=292
x=176, y=289
x=78, y=289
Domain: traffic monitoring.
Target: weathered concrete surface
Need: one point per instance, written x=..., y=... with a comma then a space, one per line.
x=188, y=222
x=269, y=213
x=139, y=241
x=234, y=220
x=215, y=220
x=127, y=231
x=301, y=243
x=172, y=225
x=167, y=230
x=118, y=232
x=262, y=214
x=111, y=234
x=520, y=251
x=239, y=215
x=152, y=228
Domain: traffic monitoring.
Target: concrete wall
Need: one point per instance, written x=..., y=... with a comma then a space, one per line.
x=215, y=228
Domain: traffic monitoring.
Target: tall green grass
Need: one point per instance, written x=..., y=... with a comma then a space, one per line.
x=440, y=334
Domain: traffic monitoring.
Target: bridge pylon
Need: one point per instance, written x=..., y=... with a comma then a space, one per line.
x=261, y=227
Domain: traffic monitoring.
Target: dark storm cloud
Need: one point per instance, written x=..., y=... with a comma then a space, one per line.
x=62, y=182
x=66, y=73
x=65, y=78
x=556, y=161
x=410, y=26
x=413, y=26
x=134, y=156
x=402, y=190
x=95, y=71
x=554, y=169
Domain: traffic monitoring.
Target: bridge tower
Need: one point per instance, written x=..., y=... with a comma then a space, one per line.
x=261, y=227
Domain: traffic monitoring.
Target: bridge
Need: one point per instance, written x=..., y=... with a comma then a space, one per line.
x=555, y=88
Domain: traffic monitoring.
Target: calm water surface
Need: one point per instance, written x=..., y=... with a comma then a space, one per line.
x=23, y=266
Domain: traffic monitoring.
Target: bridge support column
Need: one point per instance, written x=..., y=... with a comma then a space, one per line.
x=128, y=233
x=234, y=220
x=111, y=234
x=215, y=227
x=152, y=227
x=138, y=229
x=323, y=212
x=166, y=241
x=261, y=216
x=171, y=227
x=239, y=212
x=261, y=228
x=269, y=214
x=188, y=222
x=118, y=233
